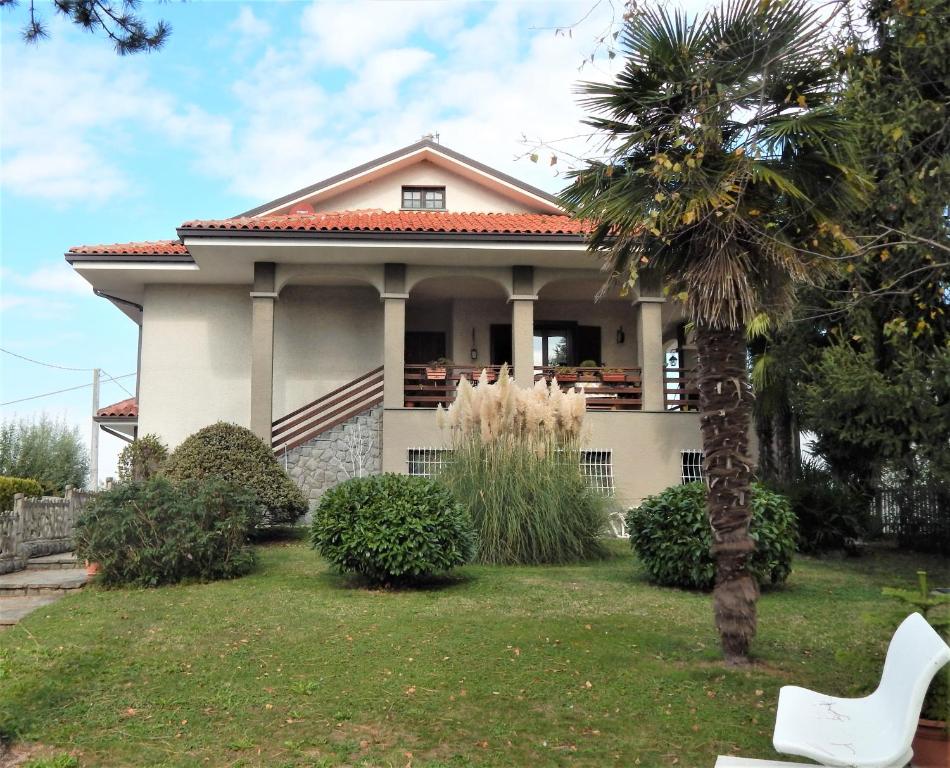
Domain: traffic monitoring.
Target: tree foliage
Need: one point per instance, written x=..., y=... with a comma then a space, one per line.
x=116, y=19
x=863, y=366
x=46, y=450
x=726, y=170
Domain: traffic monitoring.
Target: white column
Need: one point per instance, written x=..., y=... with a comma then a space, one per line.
x=522, y=324
x=262, y=350
x=650, y=352
x=394, y=335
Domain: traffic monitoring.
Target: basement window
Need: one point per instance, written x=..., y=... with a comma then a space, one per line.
x=423, y=198
x=598, y=470
x=692, y=463
x=426, y=462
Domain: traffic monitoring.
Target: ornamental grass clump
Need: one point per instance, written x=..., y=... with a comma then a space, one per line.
x=515, y=466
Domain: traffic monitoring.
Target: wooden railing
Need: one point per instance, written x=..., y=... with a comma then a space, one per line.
x=607, y=389
x=334, y=408
x=679, y=389
x=427, y=386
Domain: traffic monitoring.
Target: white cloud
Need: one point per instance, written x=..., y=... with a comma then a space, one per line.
x=57, y=278
x=249, y=26
x=71, y=113
x=345, y=34
x=415, y=68
x=34, y=307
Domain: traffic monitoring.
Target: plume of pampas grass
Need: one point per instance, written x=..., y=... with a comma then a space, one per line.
x=516, y=466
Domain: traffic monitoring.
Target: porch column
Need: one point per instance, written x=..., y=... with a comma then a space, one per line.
x=522, y=324
x=394, y=335
x=262, y=350
x=650, y=353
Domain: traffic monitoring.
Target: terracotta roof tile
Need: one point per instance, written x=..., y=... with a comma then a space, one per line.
x=157, y=248
x=124, y=409
x=401, y=221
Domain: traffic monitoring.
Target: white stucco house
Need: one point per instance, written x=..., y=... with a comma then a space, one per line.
x=314, y=315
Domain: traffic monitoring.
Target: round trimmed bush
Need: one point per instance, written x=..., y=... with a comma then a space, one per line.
x=670, y=533
x=392, y=529
x=237, y=456
x=157, y=532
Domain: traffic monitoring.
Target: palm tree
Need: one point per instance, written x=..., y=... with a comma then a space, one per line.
x=724, y=165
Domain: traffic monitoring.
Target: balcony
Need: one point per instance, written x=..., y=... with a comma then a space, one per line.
x=607, y=389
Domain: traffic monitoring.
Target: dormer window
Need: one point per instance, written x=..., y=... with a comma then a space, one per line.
x=423, y=198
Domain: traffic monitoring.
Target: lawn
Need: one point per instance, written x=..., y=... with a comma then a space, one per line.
x=294, y=666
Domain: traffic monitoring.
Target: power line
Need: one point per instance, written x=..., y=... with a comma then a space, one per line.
x=110, y=377
x=48, y=365
x=60, y=391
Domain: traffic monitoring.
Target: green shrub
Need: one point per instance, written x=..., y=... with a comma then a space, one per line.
x=527, y=509
x=11, y=486
x=158, y=532
x=670, y=533
x=829, y=514
x=141, y=459
x=236, y=455
x=392, y=529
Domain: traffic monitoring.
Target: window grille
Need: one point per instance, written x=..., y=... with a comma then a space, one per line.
x=692, y=463
x=426, y=462
x=598, y=469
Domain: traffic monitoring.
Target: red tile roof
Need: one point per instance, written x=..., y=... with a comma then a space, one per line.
x=157, y=248
x=401, y=221
x=124, y=409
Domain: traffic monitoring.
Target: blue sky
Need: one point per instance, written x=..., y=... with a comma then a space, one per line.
x=246, y=101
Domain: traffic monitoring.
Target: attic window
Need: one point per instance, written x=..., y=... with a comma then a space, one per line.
x=423, y=198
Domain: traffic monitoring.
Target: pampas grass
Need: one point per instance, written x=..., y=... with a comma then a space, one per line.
x=516, y=466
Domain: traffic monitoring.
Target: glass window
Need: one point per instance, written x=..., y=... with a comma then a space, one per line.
x=428, y=198
x=552, y=348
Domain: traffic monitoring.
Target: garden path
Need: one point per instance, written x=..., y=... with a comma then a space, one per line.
x=44, y=581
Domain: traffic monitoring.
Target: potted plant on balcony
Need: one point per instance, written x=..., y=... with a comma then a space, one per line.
x=590, y=374
x=565, y=374
x=615, y=375
x=436, y=370
x=932, y=743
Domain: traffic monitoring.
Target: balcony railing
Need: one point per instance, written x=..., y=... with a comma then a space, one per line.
x=607, y=389
x=679, y=389
x=427, y=386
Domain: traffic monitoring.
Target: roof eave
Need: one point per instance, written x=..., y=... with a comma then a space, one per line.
x=477, y=237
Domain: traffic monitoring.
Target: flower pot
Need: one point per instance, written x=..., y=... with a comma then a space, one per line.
x=617, y=378
x=931, y=745
x=92, y=568
x=435, y=374
x=566, y=378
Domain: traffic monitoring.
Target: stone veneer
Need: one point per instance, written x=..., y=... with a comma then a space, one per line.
x=332, y=456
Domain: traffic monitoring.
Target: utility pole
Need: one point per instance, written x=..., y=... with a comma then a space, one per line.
x=94, y=438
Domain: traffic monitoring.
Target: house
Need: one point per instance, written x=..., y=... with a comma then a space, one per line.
x=311, y=320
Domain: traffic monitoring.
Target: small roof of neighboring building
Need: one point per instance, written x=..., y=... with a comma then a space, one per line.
x=124, y=409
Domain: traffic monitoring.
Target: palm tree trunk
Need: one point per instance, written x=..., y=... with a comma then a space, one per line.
x=725, y=405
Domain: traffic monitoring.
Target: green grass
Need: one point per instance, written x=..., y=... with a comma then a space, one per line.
x=532, y=666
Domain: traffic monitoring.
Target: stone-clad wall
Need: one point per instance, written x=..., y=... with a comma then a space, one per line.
x=351, y=449
x=36, y=527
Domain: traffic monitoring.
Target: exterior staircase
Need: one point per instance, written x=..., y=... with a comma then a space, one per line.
x=44, y=581
x=334, y=408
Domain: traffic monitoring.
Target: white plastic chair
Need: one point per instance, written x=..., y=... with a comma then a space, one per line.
x=872, y=732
